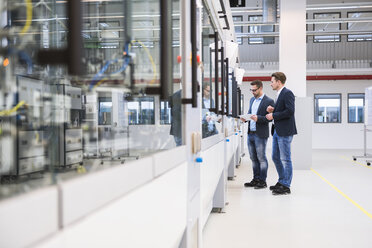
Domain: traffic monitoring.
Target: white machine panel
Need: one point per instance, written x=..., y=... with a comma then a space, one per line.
x=30, y=91
x=74, y=139
x=74, y=157
x=30, y=144
x=29, y=165
x=74, y=94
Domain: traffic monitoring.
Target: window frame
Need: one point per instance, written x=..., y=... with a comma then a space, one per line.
x=339, y=28
x=103, y=99
x=241, y=41
x=263, y=42
x=139, y=100
x=319, y=94
x=347, y=27
x=243, y=4
x=348, y=114
x=170, y=114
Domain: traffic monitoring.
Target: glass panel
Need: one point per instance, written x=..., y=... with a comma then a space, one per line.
x=219, y=79
x=26, y=105
x=175, y=104
x=327, y=27
x=260, y=29
x=165, y=112
x=141, y=111
x=209, y=117
x=359, y=26
x=356, y=108
x=55, y=126
x=229, y=91
x=104, y=111
x=327, y=108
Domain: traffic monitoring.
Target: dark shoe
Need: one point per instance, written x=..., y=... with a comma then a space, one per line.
x=274, y=186
x=260, y=185
x=281, y=190
x=252, y=183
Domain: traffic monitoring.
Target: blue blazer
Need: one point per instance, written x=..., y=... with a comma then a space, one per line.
x=284, y=109
x=262, y=125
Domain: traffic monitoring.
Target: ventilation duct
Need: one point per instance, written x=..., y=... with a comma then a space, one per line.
x=269, y=8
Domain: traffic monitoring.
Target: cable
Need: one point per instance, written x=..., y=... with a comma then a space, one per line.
x=125, y=65
x=150, y=58
x=11, y=111
x=29, y=17
x=98, y=78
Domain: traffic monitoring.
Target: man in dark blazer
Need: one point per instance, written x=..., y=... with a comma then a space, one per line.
x=284, y=127
x=176, y=121
x=258, y=133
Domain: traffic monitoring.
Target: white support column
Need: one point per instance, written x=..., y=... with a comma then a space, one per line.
x=292, y=62
x=292, y=44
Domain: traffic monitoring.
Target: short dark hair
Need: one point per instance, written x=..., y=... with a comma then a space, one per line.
x=279, y=76
x=258, y=83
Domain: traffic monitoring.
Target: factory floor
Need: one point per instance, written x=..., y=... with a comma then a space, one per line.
x=330, y=206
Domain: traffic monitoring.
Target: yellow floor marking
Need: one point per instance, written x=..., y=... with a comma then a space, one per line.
x=343, y=194
x=369, y=167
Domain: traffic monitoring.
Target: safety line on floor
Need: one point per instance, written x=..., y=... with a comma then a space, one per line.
x=356, y=162
x=343, y=194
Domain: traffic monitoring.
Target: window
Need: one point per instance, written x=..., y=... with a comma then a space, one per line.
x=327, y=27
x=355, y=104
x=260, y=29
x=327, y=108
x=165, y=112
x=141, y=111
x=237, y=3
x=106, y=36
x=359, y=26
x=105, y=109
x=142, y=29
x=238, y=29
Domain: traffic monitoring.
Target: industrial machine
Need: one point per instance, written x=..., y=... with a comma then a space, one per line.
x=23, y=134
x=70, y=130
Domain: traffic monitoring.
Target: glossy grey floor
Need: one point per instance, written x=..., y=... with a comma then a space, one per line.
x=314, y=215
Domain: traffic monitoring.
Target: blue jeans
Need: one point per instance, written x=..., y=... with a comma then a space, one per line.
x=257, y=152
x=178, y=140
x=282, y=158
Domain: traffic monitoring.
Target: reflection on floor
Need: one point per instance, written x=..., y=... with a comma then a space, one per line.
x=314, y=215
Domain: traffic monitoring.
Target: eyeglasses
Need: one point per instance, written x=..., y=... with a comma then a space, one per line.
x=254, y=90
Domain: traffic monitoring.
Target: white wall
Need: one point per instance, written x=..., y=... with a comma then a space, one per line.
x=342, y=135
x=259, y=3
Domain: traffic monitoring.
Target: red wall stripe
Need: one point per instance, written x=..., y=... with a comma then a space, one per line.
x=317, y=77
